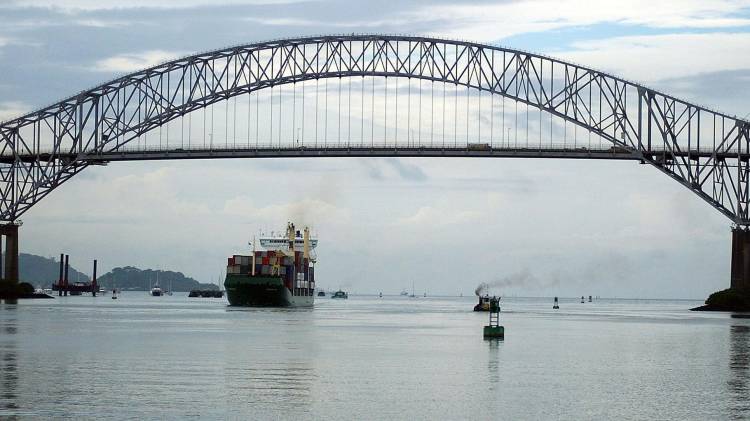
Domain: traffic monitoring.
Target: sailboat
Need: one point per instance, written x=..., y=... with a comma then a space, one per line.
x=412, y=290
x=156, y=290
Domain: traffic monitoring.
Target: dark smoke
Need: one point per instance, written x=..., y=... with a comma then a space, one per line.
x=484, y=286
x=524, y=278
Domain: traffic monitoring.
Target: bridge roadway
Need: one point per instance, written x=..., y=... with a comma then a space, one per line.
x=382, y=150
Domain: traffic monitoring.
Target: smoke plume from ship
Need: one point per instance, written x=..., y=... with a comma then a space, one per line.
x=521, y=279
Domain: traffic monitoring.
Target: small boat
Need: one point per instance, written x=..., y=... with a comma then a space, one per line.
x=156, y=291
x=340, y=294
x=321, y=293
x=484, y=303
x=404, y=293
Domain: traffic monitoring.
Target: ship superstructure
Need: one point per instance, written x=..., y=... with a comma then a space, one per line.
x=281, y=274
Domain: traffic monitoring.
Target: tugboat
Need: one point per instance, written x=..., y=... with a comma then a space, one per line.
x=484, y=303
x=340, y=294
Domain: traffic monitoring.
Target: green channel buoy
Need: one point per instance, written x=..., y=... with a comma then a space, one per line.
x=494, y=330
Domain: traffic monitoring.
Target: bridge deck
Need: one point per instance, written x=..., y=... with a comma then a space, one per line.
x=569, y=152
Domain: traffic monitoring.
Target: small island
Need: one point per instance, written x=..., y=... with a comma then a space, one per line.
x=730, y=299
x=38, y=272
x=130, y=278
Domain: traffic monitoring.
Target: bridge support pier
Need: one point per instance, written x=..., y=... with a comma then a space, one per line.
x=10, y=264
x=9, y=281
x=740, y=272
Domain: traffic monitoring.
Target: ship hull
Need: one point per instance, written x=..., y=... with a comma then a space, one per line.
x=262, y=291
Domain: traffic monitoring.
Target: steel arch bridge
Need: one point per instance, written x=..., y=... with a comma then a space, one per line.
x=706, y=151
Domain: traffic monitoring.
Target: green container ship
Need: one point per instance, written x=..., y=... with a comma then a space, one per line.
x=281, y=275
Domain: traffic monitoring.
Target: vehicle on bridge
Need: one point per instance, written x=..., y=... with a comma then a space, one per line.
x=478, y=146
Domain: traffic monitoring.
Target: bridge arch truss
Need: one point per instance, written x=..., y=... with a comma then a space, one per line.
x=706, y=151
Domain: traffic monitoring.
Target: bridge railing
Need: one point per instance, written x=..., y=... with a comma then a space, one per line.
x=335, y=145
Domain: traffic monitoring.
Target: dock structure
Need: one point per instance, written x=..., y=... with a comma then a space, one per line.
x=63, y=286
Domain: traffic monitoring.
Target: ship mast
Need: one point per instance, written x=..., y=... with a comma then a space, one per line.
x=290, y=235
x=306, y=242
x=252, y=269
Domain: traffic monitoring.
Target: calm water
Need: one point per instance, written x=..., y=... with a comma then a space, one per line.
x=369, y=358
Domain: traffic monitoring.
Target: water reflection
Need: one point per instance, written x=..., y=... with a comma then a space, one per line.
x=493, y=362
x=8, y=359
x=739, y=365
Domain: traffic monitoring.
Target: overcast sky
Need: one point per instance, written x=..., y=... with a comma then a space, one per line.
x=554, y=227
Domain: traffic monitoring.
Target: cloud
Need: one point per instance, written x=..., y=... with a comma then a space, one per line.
x=379, y=169
x=657, y=57
x=71, y=5
x=12, y=109
x=432, y=216
x=406, y=170
x=103, y=23
x=134, y=61
x=497, y=21
x=725, y=90
x=306, y=211
x=304, y=22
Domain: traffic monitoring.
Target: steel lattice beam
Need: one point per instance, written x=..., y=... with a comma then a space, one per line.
x=706, y=151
